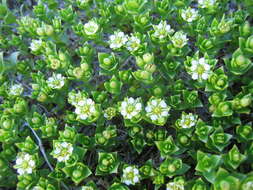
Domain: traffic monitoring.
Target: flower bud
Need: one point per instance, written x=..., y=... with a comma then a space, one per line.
x=148, y=58
x=7, y=124
x=40, y=31
x=78, y=73
x=225, y=185
x=245, y=101
x=249, y=43
x=157, y=91
x=240, y=60
x=77, y=173
x=183, y=139
x=247, y=183
x=245, y=29
x=140, y=62
x=55, y=63
x=150, y=68
x=119, y=9
x=42, y=97
x=49, y=30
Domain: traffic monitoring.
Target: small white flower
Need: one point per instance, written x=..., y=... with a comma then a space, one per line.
x=25, y=163
x=117, y=40
x=133, y=43
x=16, y=90
x=189, y=14
x=174, y=186
x=130, y=175
x=188, y=120
x=75, y=98
x=157, y=109
x=130, y=107
x=31, y=163
x=162, y=30
x=36, y=45
x=87, y=188
x=85, y=108
x=248, y=185
x=206, y=3
x=84, y=1
x=91, y=28
x=200, y=69
x=57, y=81
x=179, y=39
x=62, y=151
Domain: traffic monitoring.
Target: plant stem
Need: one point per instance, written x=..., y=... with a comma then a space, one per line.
x=42, y=150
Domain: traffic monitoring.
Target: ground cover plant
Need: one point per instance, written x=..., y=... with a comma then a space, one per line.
x=126, y=94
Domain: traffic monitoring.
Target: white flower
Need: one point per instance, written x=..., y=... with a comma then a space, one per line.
x=200, y=69
x=16, y=90
x=85, y=108
x=174, y=186
x=179, y=39
x=117, y=40
x=62, y=151
x=74, y=98
x=57, y=81
x=206, y=3
x=36, y=45
x=131, y=175
x=188, y=120
x=133, y=43
x=162, y=30
x=248, y=185
x=91, y=28
x=189, y=14
x=25, y=163
x=84, y=1
x=87, y=188
x=130, y=107
x=157, y=109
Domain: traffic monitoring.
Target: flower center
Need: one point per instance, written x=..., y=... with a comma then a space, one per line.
x=200, y=69
x=130, y=108
x=188, y=14
x=130, y=175
x=157, y=110
x=187, y=121
x=85, y=109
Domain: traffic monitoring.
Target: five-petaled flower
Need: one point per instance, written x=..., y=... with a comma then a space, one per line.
x=131, y=175
x=133, y=43
x=174, y=186
x=62, y=151
x=156, y=109
x=206, y=3
x=189, y=15
x=162, y=30
x=25, y=163
x=57, y=81
x=91, y=28
x=200, y=69
x=36, y=45
x=117, y=40
x=179, y=39
x=188, y=120
x=85, y=108
x=130, y=107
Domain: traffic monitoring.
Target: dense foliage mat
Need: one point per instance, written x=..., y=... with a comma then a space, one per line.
x=126, y=94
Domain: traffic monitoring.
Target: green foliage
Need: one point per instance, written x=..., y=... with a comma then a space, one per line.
x=126, y=94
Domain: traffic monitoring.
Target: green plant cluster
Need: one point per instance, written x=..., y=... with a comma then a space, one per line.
x=126, y=94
